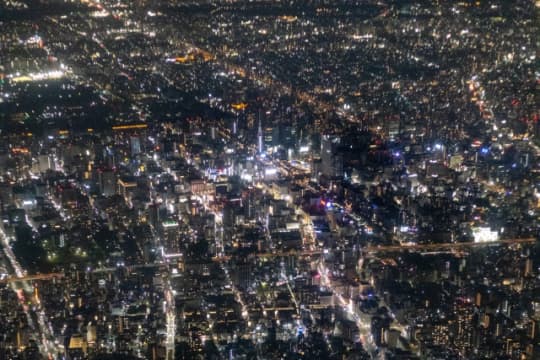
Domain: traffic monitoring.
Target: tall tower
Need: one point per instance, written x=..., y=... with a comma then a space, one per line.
x=260, y=144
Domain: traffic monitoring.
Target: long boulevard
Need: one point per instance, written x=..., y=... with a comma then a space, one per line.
x=30, y=302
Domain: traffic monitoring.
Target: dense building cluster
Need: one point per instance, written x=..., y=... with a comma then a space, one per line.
x=264, y=180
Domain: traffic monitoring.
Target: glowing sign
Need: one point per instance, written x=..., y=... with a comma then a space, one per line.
x=50, y=75
x=239, y=106
x=270, y=171
x=129, y=127
x=169, y=224
x=484, y=234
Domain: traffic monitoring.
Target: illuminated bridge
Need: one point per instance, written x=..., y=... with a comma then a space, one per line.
x=427, y=248
x=398, y=248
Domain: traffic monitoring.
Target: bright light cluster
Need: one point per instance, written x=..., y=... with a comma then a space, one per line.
x=484, y=234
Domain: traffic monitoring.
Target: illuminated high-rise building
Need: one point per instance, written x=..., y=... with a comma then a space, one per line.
x=331, y=161
x=170, y=236
x=463, y=334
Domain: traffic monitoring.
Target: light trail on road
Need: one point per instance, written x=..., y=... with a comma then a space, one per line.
x=47, y=342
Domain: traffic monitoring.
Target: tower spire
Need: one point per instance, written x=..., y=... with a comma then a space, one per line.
x=260, y=135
